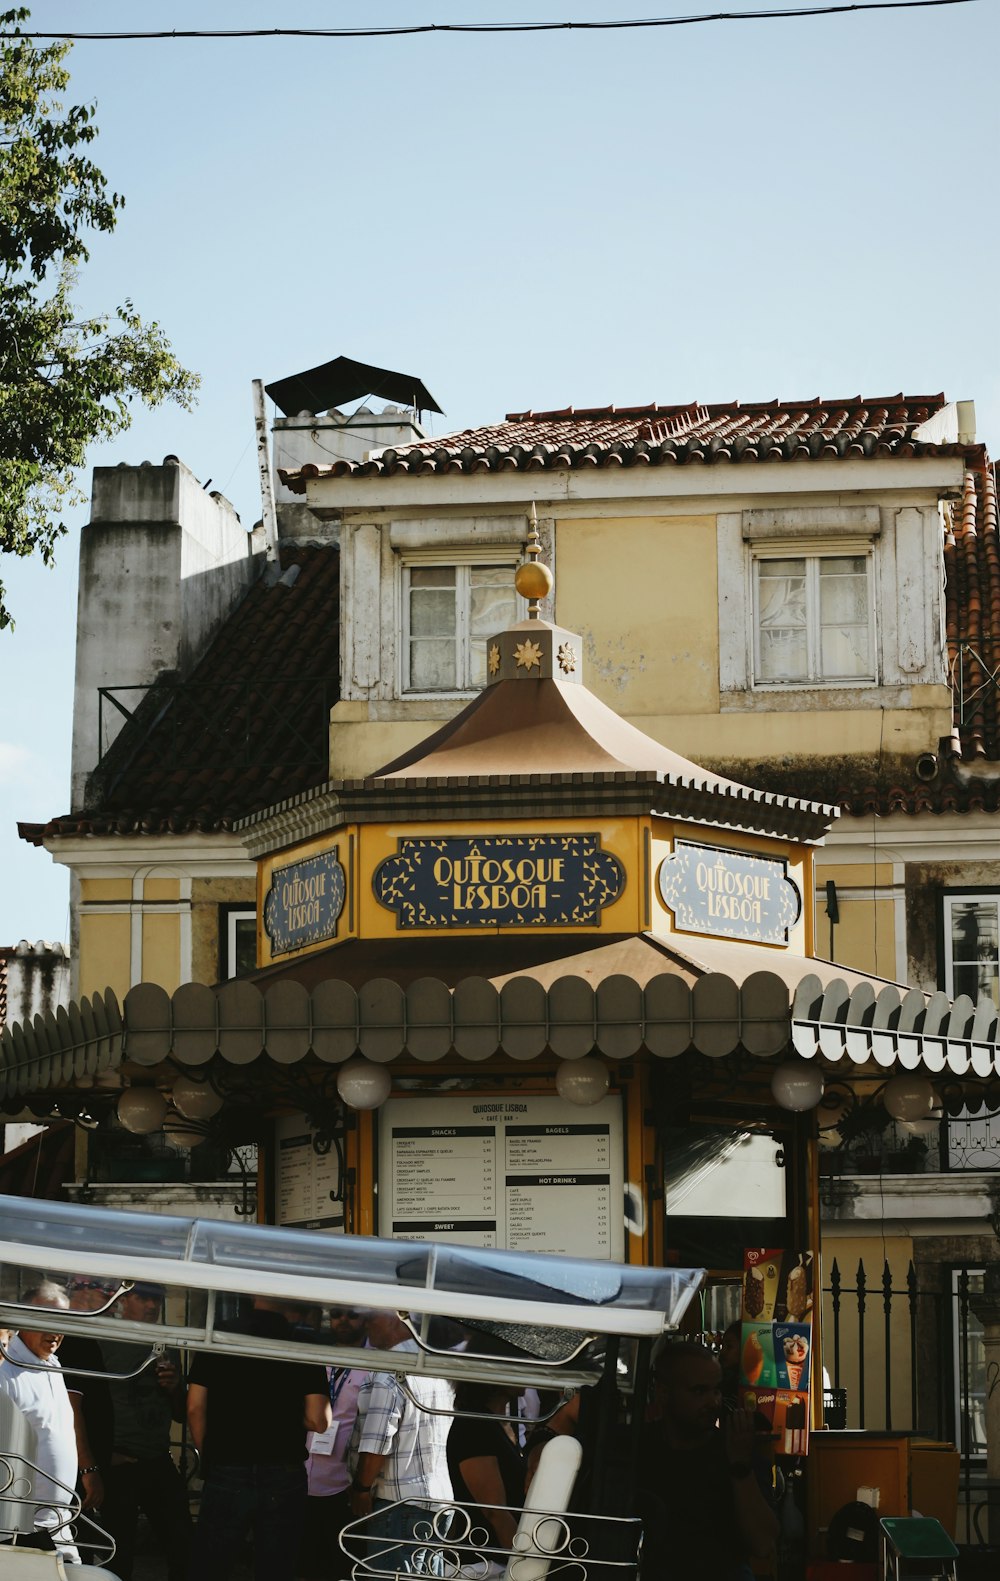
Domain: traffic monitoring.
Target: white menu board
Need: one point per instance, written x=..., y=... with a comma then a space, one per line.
x=303, y=1178
x=530, y=1174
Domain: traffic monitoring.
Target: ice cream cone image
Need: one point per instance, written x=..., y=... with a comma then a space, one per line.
x=796, y=1351
x=753, y=1358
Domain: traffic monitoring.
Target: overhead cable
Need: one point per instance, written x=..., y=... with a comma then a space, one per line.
x=406, y=29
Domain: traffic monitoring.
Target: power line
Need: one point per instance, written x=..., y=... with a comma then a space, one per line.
x=408, y=29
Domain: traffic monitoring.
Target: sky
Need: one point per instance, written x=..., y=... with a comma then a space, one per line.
x=737, y=210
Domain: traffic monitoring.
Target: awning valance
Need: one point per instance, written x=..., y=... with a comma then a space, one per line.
x=816, y=1010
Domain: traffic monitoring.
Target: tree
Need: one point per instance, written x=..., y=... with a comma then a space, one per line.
x=64, y=381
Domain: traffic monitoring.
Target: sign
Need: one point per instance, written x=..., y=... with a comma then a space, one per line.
x=304, y=1178
x=528, y=1174
x=304, y=902
x=523, y=880
x=711, y=889
x=776, y=1342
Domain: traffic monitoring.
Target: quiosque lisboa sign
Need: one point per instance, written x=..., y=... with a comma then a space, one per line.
x=711, y=889
x=304, y=902
x=531, y=880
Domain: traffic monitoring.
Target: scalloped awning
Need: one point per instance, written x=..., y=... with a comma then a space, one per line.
x=688, y=1002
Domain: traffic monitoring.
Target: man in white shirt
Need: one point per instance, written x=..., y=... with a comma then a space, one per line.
x=33, y=1379
x=402, y=1453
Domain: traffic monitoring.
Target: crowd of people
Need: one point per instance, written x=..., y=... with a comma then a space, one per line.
x=291, y=1453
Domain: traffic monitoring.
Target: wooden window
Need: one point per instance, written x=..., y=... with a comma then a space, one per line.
x=813, y=619
x=237, y=941
x=448, y=613
x=972, y=946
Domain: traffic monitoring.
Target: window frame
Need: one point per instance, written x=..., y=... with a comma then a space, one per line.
x=976, y=1454
x=949, y=897
x=812, y=553
x=230, y=914
x=462, y=561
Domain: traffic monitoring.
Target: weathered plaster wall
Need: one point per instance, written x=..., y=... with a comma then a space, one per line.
x=925, y=882
x=161, y=564
x=38, y=979
x=207, y=895
x=642, y=593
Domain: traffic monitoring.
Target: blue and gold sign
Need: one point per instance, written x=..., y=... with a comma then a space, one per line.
x=304, y=902
x=711, y=889
x=507, y=881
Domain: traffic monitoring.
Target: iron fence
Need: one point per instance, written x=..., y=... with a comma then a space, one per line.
x=907, y=1353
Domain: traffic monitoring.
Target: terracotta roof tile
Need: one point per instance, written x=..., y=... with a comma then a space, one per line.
x=654, y=435
x=248, y=726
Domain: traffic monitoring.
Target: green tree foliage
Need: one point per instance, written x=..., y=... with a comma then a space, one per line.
x=64, y=381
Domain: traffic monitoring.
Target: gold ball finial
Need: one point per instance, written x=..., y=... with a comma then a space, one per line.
x=533, y=579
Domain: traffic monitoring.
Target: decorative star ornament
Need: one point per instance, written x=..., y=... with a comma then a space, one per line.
x=528, y=655
x=493, y=661
x=567, y=658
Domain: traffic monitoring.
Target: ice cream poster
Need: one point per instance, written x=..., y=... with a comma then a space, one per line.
x=776, y=1342
x=777, y=1286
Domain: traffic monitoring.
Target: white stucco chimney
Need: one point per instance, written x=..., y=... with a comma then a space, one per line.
x=330, y=436
x=162, y=563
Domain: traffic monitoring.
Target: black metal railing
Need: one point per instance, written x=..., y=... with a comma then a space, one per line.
x=933, y=1327
x=265, y=721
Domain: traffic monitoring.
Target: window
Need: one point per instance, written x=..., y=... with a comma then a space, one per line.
x=237, y=941
x=448, y=613
x=813, y=618
x=969, y=1365
x=972, y=946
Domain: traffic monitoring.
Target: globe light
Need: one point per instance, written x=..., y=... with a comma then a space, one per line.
x=142, y=1110
x=362, y=1084
x=183, y=1134
x=582, y=1081
x=909, y=1097
x=194, y=1099
x=797, y=1086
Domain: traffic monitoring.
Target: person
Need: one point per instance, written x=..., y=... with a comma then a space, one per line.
x=486, y=1466
x=39, y=1391
x=705, y=1488
x=140, y=1473
x=248, y=1418
x=80, y=1358
x=401, y=1452
x=328, y=1479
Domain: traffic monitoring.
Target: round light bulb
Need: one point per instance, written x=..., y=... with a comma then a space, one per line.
x=362, y=1084
x=909, y=1097
x=194, y=1099
x=182, y=1135
x=797, y=1086
x=582, y=1081
x=142, y=1110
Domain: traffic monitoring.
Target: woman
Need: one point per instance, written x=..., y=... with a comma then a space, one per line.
x=486, y=1468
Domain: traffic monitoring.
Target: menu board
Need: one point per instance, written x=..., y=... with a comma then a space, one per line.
x=776, y=1342
x=304, y=1178
x=529, y=1174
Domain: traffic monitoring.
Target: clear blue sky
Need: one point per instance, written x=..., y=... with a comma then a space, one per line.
x=737, y=210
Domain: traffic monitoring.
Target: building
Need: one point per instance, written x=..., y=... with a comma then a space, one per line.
x=800, y=597
x=34, y=981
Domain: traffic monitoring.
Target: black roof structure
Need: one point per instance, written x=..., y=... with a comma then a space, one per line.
x=343, y=379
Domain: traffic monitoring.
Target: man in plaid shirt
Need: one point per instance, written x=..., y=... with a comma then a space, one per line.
x=401, y=1450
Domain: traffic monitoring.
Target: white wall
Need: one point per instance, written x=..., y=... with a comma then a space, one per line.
x=162, y=563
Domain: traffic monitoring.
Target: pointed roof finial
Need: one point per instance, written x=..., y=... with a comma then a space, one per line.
x=533, y=579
